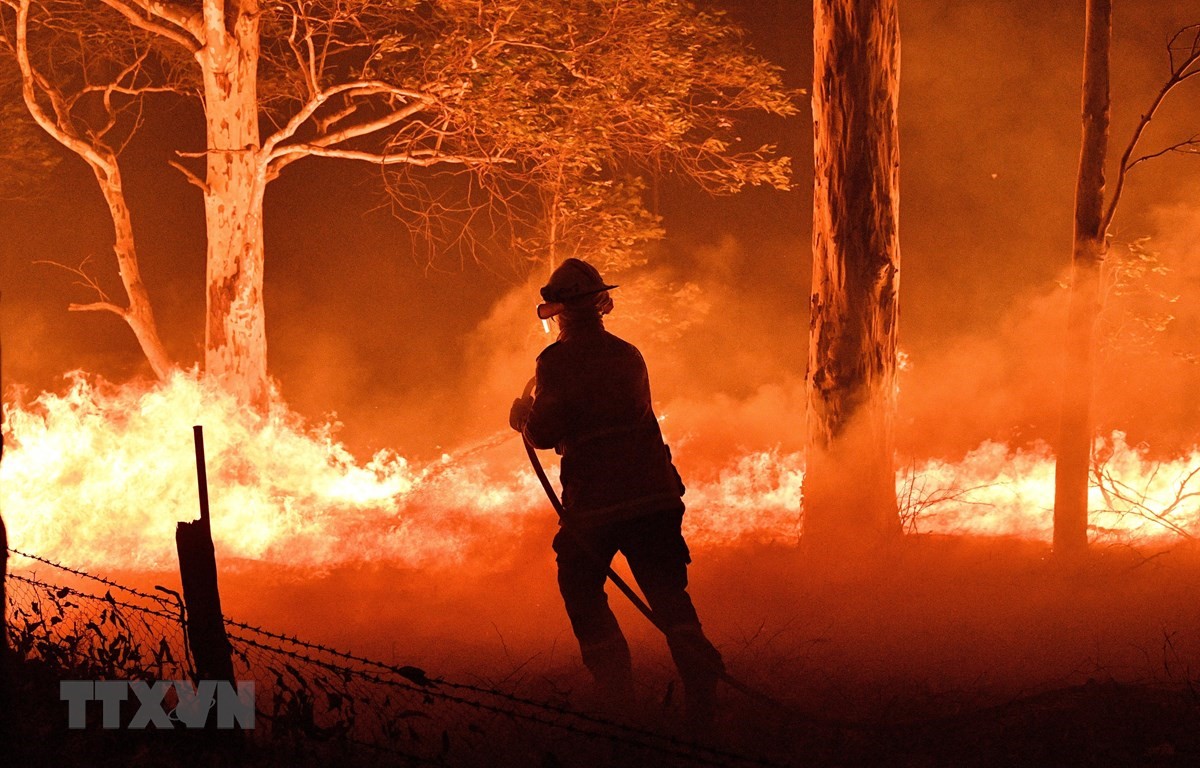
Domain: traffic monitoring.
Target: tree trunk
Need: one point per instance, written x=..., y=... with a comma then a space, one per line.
x=849, y=483
x=6, y=708
x=1072, y=468
x=5, y=704
x=235, y=348
x=139, y=315
x=104, y=164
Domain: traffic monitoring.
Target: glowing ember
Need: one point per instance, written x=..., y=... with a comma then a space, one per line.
x=98, y=476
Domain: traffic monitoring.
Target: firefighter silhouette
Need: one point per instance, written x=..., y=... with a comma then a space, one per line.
x=621, y=491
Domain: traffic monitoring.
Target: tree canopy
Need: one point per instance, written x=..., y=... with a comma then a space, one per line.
x=531, y=127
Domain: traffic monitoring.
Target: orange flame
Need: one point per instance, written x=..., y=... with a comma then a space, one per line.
x=99, y=475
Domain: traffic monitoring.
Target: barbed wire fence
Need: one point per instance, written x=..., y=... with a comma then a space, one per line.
x=318, y=700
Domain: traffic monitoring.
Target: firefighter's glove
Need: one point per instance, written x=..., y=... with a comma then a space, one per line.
x=520, y=413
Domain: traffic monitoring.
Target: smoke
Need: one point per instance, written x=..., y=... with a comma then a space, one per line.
x=970, y=387
x=423, y=360
x=1003, y=383
x=726, y=369
x=1151, y=364
x=446, y=563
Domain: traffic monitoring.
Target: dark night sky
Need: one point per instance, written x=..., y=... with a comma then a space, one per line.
x=989, y=119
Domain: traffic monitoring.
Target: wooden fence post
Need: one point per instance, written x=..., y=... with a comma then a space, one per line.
x=198, y=571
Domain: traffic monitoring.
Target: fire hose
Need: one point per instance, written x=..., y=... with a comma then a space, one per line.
x=615, y=578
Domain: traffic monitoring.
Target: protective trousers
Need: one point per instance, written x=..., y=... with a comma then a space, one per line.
x=658, y=557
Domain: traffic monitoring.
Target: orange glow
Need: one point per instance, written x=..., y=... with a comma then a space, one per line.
x=99, y=475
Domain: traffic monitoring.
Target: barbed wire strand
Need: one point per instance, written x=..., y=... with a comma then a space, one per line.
x=102, y=598
x=85, y=575
x=408, y=672
x=414, y=680
x=692, y=753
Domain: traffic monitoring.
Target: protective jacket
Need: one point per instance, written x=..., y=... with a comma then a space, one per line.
x=592, y=405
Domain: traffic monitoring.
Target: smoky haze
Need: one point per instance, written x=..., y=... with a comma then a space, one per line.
x=424, y=357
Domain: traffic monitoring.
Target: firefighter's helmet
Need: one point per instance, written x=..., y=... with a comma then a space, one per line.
x=574, y=281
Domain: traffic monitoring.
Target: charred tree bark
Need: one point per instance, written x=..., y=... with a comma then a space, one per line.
x=235, y=326
x=1072, y=468
x=849, y=483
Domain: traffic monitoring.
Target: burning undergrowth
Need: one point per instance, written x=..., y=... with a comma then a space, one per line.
x=99, y=474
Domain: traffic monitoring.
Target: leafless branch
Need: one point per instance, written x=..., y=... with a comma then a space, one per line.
x=470, y=219
x=86, y=280
x=302, y=49
x=1189, y=146
x=98, y=306
x=365, y=128
x=187, y=174
x=183, y=25
x=1179, y=42
x=417, y=101
x=1183, y=68
x=325, y=123
x=916, y=499
x=1122, y=498
x=127, y=90
x=57, y=127
x=422, y=158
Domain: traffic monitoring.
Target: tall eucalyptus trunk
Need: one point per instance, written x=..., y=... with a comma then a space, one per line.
x=849, y=483
x=235, y=328
x=1072, y=468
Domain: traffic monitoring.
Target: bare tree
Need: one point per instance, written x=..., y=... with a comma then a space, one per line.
x=91, y=114
x=1093, y=217
x=554, y=107
x=850, y=482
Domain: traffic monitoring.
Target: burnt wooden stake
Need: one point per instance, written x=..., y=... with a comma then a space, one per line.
x=198, y=571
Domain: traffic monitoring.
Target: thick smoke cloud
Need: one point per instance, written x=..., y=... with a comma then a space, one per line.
x=424, y=359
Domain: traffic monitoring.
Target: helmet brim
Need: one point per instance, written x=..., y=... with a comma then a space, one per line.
x=549, y=309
